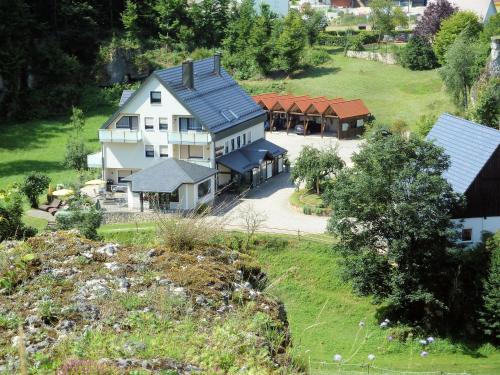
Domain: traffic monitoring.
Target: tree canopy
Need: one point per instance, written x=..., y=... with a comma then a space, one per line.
x=391, y=214
x=434, y=14
x=313, y=166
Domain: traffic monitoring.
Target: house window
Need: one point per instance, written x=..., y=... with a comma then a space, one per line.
x=155, y=97
x=127, y=122
x=189, y=123
x=232, y=144
x=359, y=123
x=226, y=147
x=150, y=151
x=238, y=141
x=163, y=151
x=345, y=127
x=174, y=196
x=249, y=137
x=163, y=123
x=195, y=152
x=244, y=139
x=204, y=188
x=149, y=123
x=466, y=235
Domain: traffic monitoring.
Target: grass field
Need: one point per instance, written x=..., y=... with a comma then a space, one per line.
x=389, y=91
x=40, y=146
x=324, y=315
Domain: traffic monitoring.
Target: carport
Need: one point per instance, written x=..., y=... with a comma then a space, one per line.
x=345, y=117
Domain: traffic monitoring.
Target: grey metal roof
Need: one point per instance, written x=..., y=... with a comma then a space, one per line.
x=469, y=146
x=125, y=95
x=251, y=156
x=217, y=101
x=167, y=175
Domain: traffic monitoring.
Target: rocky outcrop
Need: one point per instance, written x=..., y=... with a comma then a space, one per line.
x=386, y=58
x=494, y=64
x=64, y=291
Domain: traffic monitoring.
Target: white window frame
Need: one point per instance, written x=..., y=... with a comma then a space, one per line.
x=160, y=153
x=152, y=124
x=146, y=151
x=160, y=122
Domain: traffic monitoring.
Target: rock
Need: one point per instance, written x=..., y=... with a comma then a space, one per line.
x=66, y=325
x=15, y=341
x=112, y=266
x=124, y=285
x=133, y=347
x=152, y=253
x=200, y=258
x=109, y=249
x=178, y=291
x=94, y=288
x=88, y=312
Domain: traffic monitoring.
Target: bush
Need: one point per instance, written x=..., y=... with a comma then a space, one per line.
x=424, y=124
x=76, y=154
x=486, y=109
x=418, y=55
x=33, y=185
x=11, y=213
x=315, y=57
x=81, y=215
x=307, y=210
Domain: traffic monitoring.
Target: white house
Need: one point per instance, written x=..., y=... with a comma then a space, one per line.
x=195, y=113
x=483, y=8
x=474, y=152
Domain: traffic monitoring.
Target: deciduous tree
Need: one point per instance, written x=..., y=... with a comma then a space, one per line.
x=392, y=210
x=33, y=185
x=434, y=14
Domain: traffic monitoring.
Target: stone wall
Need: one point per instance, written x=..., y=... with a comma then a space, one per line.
x=386, y=58
x=129, y=217
x=494, y=66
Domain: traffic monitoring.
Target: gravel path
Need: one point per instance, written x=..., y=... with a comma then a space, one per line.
x=41, y=215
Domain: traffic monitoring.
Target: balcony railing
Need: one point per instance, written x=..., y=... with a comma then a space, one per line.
x=120, y=136
x=94, y=160
x=202, y=162
x=188, y=138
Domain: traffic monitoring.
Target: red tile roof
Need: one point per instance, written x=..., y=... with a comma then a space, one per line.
x=344, y=109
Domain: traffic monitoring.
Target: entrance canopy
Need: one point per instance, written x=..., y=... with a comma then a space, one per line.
x=251, y=156
x=167, y=176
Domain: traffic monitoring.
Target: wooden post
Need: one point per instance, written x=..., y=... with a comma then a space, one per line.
x=271, y=121
x=306, y=124
x=322, y=125
x=289, y=122
x=141, y=198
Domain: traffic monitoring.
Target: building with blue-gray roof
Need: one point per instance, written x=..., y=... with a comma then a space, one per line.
x=196, y=113
x=474, y=172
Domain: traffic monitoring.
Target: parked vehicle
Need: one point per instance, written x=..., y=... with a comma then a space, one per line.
x=313, y=127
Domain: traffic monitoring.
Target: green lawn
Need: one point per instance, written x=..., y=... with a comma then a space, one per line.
x=40, y=145
x=324, y=317
x=324, y=314
x=389, y=91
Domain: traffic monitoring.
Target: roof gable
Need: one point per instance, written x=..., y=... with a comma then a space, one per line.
x=469, y=146
x=216, y=100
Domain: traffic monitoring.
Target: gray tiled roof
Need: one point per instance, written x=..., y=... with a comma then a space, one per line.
x=217, y=101
x=125, y=95
x=167, y=175
x=250, y=156
x=469, y=146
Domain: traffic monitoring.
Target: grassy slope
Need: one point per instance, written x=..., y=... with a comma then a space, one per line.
x=324, y=314
x=324, y=317
x=389, y=91
x=40, y=145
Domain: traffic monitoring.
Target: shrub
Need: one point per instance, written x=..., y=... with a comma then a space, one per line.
x=11, y=212
x=307, y=210
x=424, y=124
x=356, y=43
x=81, y=215
x=486, y=109
x=399, y=127
x=418, y=55
x=451, y=28
x=33, y=185
x=76, y=154
x=315, y=57
x=85, y=366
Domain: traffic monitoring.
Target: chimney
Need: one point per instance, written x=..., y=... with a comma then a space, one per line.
x=188, y=74
x=217, y=57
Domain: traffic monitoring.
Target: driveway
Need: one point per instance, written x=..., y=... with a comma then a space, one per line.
x=271, y=198
x=294, y=143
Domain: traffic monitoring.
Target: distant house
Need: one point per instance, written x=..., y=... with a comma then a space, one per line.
x=483, y=8
x=175, y=139
x=474, y=152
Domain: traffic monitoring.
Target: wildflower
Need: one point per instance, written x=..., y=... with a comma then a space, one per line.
x=337, y=358
x=384, y=324
x=423, y=353
x=423, y=342
x=371, y=357
x=387, y=321
x=362, y=324
x=430, y=339
x=390, y=338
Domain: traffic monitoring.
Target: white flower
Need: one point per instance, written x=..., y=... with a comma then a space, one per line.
x=430, y=339
x=424, y=354
x=384, y=324
x=387, y=321
x=423, y=342
x=371, y=357
x=337, y=358
x=362, y=323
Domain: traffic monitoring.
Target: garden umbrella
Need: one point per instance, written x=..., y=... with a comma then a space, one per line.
x=63, y=193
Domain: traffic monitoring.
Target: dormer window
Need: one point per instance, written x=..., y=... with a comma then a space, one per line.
x=155, y=97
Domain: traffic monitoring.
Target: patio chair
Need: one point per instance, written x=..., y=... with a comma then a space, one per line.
x=54, y=204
